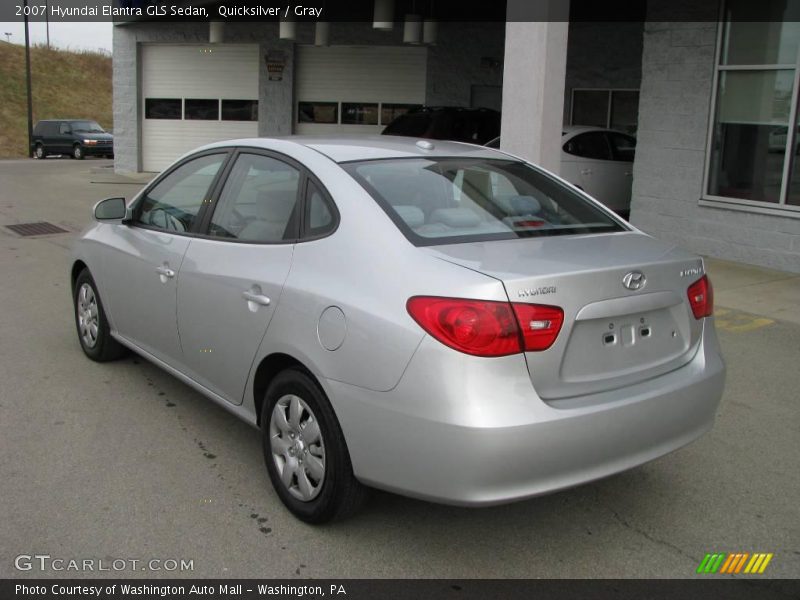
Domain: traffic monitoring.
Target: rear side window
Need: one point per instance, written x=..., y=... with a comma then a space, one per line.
x=258, y=202
x=320, y=216
x=64, y=128
x=623, y=146
x=589, y=145
x=450, y=200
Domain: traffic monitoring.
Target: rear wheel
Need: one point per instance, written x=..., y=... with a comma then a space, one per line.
x=39, y=152
x=77, y=152
x=305, y=451
x=90, y=320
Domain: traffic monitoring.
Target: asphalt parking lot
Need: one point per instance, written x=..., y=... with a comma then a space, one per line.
x=122, y=461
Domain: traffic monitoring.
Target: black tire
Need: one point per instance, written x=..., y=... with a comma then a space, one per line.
x=39, y=152
x=77, y=152
x=105, y=347
x=340, y=494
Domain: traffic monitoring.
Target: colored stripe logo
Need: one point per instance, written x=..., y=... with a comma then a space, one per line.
x=734, y=563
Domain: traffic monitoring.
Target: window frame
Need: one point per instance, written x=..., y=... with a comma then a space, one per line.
x=155, y=98
x=609, y=105
x=204, y=224
x=305, y=211
x=201, y=214
x=780, y=208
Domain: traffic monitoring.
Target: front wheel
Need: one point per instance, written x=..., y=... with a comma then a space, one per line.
x=90, y=320
x=77, y=152
x=305, y=451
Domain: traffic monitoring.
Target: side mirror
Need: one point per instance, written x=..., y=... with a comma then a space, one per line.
x=110, y=209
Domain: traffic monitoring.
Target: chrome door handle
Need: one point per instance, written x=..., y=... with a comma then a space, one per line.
x=257, y=298
x=165, y=271
x=586, y=171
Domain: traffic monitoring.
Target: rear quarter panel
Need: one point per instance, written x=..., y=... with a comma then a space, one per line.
x=367, y=269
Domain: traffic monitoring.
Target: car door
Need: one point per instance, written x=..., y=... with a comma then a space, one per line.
x=231, y=279
x=140, y=270
x=63, y=139
x=623, y=149
x=590, y=157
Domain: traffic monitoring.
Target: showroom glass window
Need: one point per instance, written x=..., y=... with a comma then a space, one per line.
x=755, y=112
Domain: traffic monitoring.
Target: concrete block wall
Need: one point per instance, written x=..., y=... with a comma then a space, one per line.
x=674, y=112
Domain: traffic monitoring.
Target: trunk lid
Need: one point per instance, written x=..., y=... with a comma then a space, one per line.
x=612, y=335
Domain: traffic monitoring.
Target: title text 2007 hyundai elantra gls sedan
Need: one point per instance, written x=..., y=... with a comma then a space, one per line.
x=431, y=318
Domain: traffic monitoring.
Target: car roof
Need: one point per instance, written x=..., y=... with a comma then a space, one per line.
x=366, y=147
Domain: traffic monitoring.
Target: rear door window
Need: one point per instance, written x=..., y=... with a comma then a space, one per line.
x=592, y=145
x=259, y=201
x=623, y=146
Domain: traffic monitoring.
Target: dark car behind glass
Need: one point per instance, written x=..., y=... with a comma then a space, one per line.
x=472, y=125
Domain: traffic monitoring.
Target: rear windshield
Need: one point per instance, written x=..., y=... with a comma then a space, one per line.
x=450, y=200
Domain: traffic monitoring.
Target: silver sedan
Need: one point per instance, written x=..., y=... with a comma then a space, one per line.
x=436, y=319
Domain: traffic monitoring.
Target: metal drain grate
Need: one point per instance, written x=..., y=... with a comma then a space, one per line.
x=28, y=229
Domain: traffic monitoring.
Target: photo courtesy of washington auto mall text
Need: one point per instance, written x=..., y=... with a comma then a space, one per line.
x=242, y=591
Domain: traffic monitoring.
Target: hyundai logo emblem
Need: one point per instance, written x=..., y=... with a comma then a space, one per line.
x=635, y=280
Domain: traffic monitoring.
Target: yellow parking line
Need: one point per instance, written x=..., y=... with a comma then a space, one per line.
x=739, y=322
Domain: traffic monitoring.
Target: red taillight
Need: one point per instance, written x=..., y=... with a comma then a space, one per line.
x=701, y=298
x=540, y=324
x=487, y=328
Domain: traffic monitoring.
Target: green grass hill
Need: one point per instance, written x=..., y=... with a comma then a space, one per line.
x=65, y=83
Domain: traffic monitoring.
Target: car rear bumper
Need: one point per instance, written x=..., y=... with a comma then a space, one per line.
x=481, y=435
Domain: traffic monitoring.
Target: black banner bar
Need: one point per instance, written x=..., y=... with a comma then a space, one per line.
x=429, y=589
x=126, y=11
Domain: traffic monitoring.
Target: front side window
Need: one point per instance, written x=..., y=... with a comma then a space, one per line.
x=450, y=200
x=258, y=202
x=753, y=127
x=175, y=201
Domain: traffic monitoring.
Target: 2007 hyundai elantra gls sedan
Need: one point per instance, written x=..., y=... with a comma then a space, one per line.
x=435, y=319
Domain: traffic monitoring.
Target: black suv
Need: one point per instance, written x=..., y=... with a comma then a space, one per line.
x=77, y=138
x=473, y=125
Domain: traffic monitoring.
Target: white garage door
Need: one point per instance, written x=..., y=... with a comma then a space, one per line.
x=193, y=95
x=356, y=89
